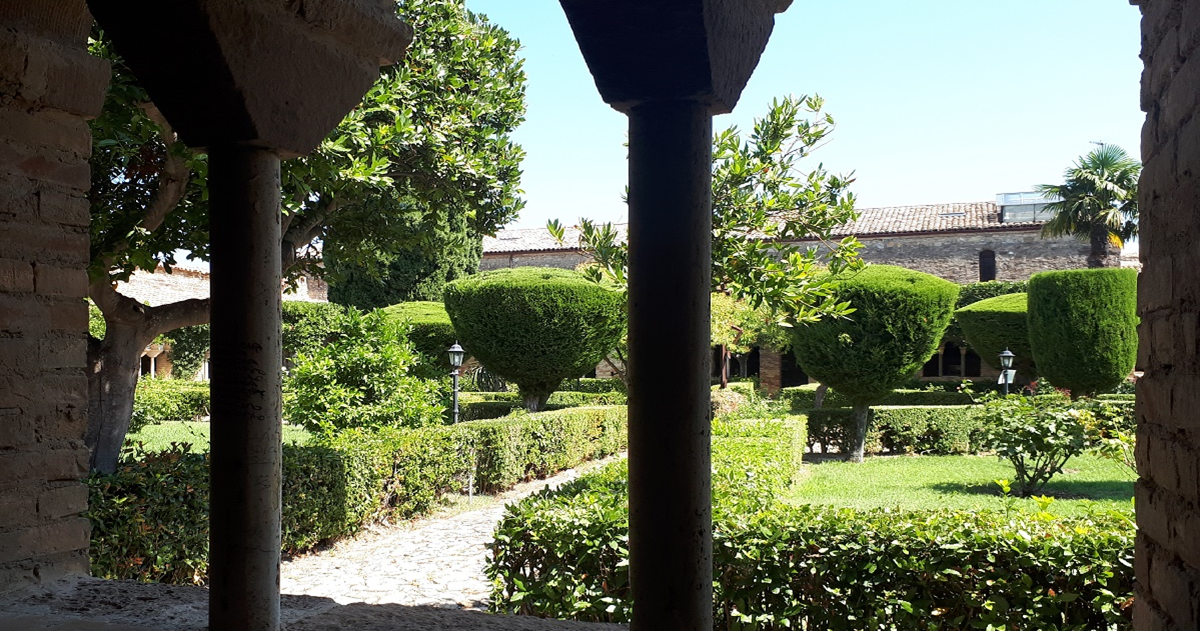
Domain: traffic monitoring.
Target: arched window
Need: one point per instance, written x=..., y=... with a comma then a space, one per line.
x=987, y=265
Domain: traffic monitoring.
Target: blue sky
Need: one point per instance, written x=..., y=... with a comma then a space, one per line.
x=935, y=100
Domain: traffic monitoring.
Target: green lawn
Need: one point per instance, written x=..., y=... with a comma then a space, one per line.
x=959, y=482
x=158, y=437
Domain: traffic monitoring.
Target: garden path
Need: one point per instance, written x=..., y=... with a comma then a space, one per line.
x=436, y=561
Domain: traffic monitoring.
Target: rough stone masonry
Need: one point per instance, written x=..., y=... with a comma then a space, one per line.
x=49, y=86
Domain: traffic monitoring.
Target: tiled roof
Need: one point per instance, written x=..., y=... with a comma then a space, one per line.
x=872, y=222
x=536, y=240
x=160, y=288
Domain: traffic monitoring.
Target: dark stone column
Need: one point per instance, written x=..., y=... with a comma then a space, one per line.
x=246, y=360
x=670, y=245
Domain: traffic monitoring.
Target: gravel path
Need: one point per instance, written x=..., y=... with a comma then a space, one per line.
x=437, y=561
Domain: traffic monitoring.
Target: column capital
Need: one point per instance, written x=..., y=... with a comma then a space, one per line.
x=670, y=50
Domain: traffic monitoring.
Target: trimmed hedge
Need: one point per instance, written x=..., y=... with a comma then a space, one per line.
x=595, y=386
x=936, y=430
x=996, y=324
x=475, y=406
x=536, y=326
x=158, y=400
x=431, y=332
x=1083, y=327
x=150, y=518
x=565, y=555
x=307, y=326
x=803, y=398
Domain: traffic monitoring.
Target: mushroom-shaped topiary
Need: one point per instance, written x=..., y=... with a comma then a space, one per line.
x=1083, y=327
x=899, y=318
x=996, y=324
x=536, y=326
x=430, y=330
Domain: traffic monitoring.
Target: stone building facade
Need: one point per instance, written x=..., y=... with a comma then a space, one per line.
x=49, y=87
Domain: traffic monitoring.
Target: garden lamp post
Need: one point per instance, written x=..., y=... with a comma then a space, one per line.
x=456, y=360
x=1006, y=362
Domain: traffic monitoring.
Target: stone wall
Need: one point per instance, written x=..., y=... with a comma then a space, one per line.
x=563, y=259
x=49, y=85
x=1168, y=406
x=955, y=257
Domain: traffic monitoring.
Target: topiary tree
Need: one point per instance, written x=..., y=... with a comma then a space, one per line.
x=1083, y=327
x=999, y=323
x=899, y=318
x=536, y=326
x=430, y=332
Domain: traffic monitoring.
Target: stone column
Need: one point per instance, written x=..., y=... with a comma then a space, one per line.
x=670, y=244
x=962, y=362
x=247, y=359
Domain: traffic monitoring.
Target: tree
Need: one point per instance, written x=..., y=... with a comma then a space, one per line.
x=994, y=325
x=431, y=135
x=771, y=221
x=1099, y=202
x=1083, y=327
x=736, y=328
x=535, y=326
x=899, y=319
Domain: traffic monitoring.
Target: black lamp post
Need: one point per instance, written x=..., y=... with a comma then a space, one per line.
x=1006, y=361
x=456, y=359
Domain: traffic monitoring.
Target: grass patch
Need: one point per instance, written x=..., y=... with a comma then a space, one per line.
x=159, y=437
x=957, y=482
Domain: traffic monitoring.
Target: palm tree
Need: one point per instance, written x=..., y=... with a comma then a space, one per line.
x=1098, y=201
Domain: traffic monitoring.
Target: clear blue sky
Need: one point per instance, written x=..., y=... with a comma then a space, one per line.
x=935, y=100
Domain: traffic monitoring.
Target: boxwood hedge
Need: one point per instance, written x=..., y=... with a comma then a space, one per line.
x=934, y=430
x=1083, y=327
x=801, y=398
x=536, y=326
x=150, y=518
x=996, y=324
x=430, y=330
x=159, y=400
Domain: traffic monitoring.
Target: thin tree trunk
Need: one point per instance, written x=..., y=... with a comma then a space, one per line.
x=724, y=366
x=1098, y=255
x=819, y=397
x=862, y=413
x=114, y=365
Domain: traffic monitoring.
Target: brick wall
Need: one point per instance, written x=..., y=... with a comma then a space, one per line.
x=48, y=87
x=1168, y=437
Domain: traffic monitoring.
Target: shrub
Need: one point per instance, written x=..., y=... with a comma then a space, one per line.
x=972, y=293
x=932, y=430
x=536, y=326
x=996, y=324
x=474, y=406
x=802, y=398
x=429, y=330
x=1083, y=327
x=308, y=326
x=1038, y=436
x=159, y=400
x=360, y=378
x=899, y=318
x=595, y=386
x=150, y=518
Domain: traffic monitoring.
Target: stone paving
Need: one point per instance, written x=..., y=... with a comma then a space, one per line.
x=436, y=561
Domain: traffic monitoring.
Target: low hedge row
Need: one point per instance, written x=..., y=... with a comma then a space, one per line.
x=802, y=398
x=476, y=406
x=565, y=555
x=158, y=400
x=594, y=386
x=150, y=518
x=940, y=429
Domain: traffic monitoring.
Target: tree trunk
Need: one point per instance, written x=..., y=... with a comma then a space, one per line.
x=862, y=413
x=115, y=362
x=724, y=366
x=535, y=402
x=114, y=365
x=1098, y=255
x=819, y=397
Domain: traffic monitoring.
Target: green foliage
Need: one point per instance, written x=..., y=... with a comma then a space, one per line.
x=585, y=384
x=932, y=430
x=196, y=433
x=763, y=207
x=536, y=326
x=189, y=350
x=309, y=326
x=360, y=378
x=899, y=319
x=159, y=400
x=96, y=325
x=972, y=293
x=429, y=330
x=801, y=398
x=1037, y=435
x=994, y=324
x=1083, y=327
x=475, y=406
x=1099, y=201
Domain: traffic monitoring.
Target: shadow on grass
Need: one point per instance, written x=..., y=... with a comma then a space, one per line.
x=1058, y=489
